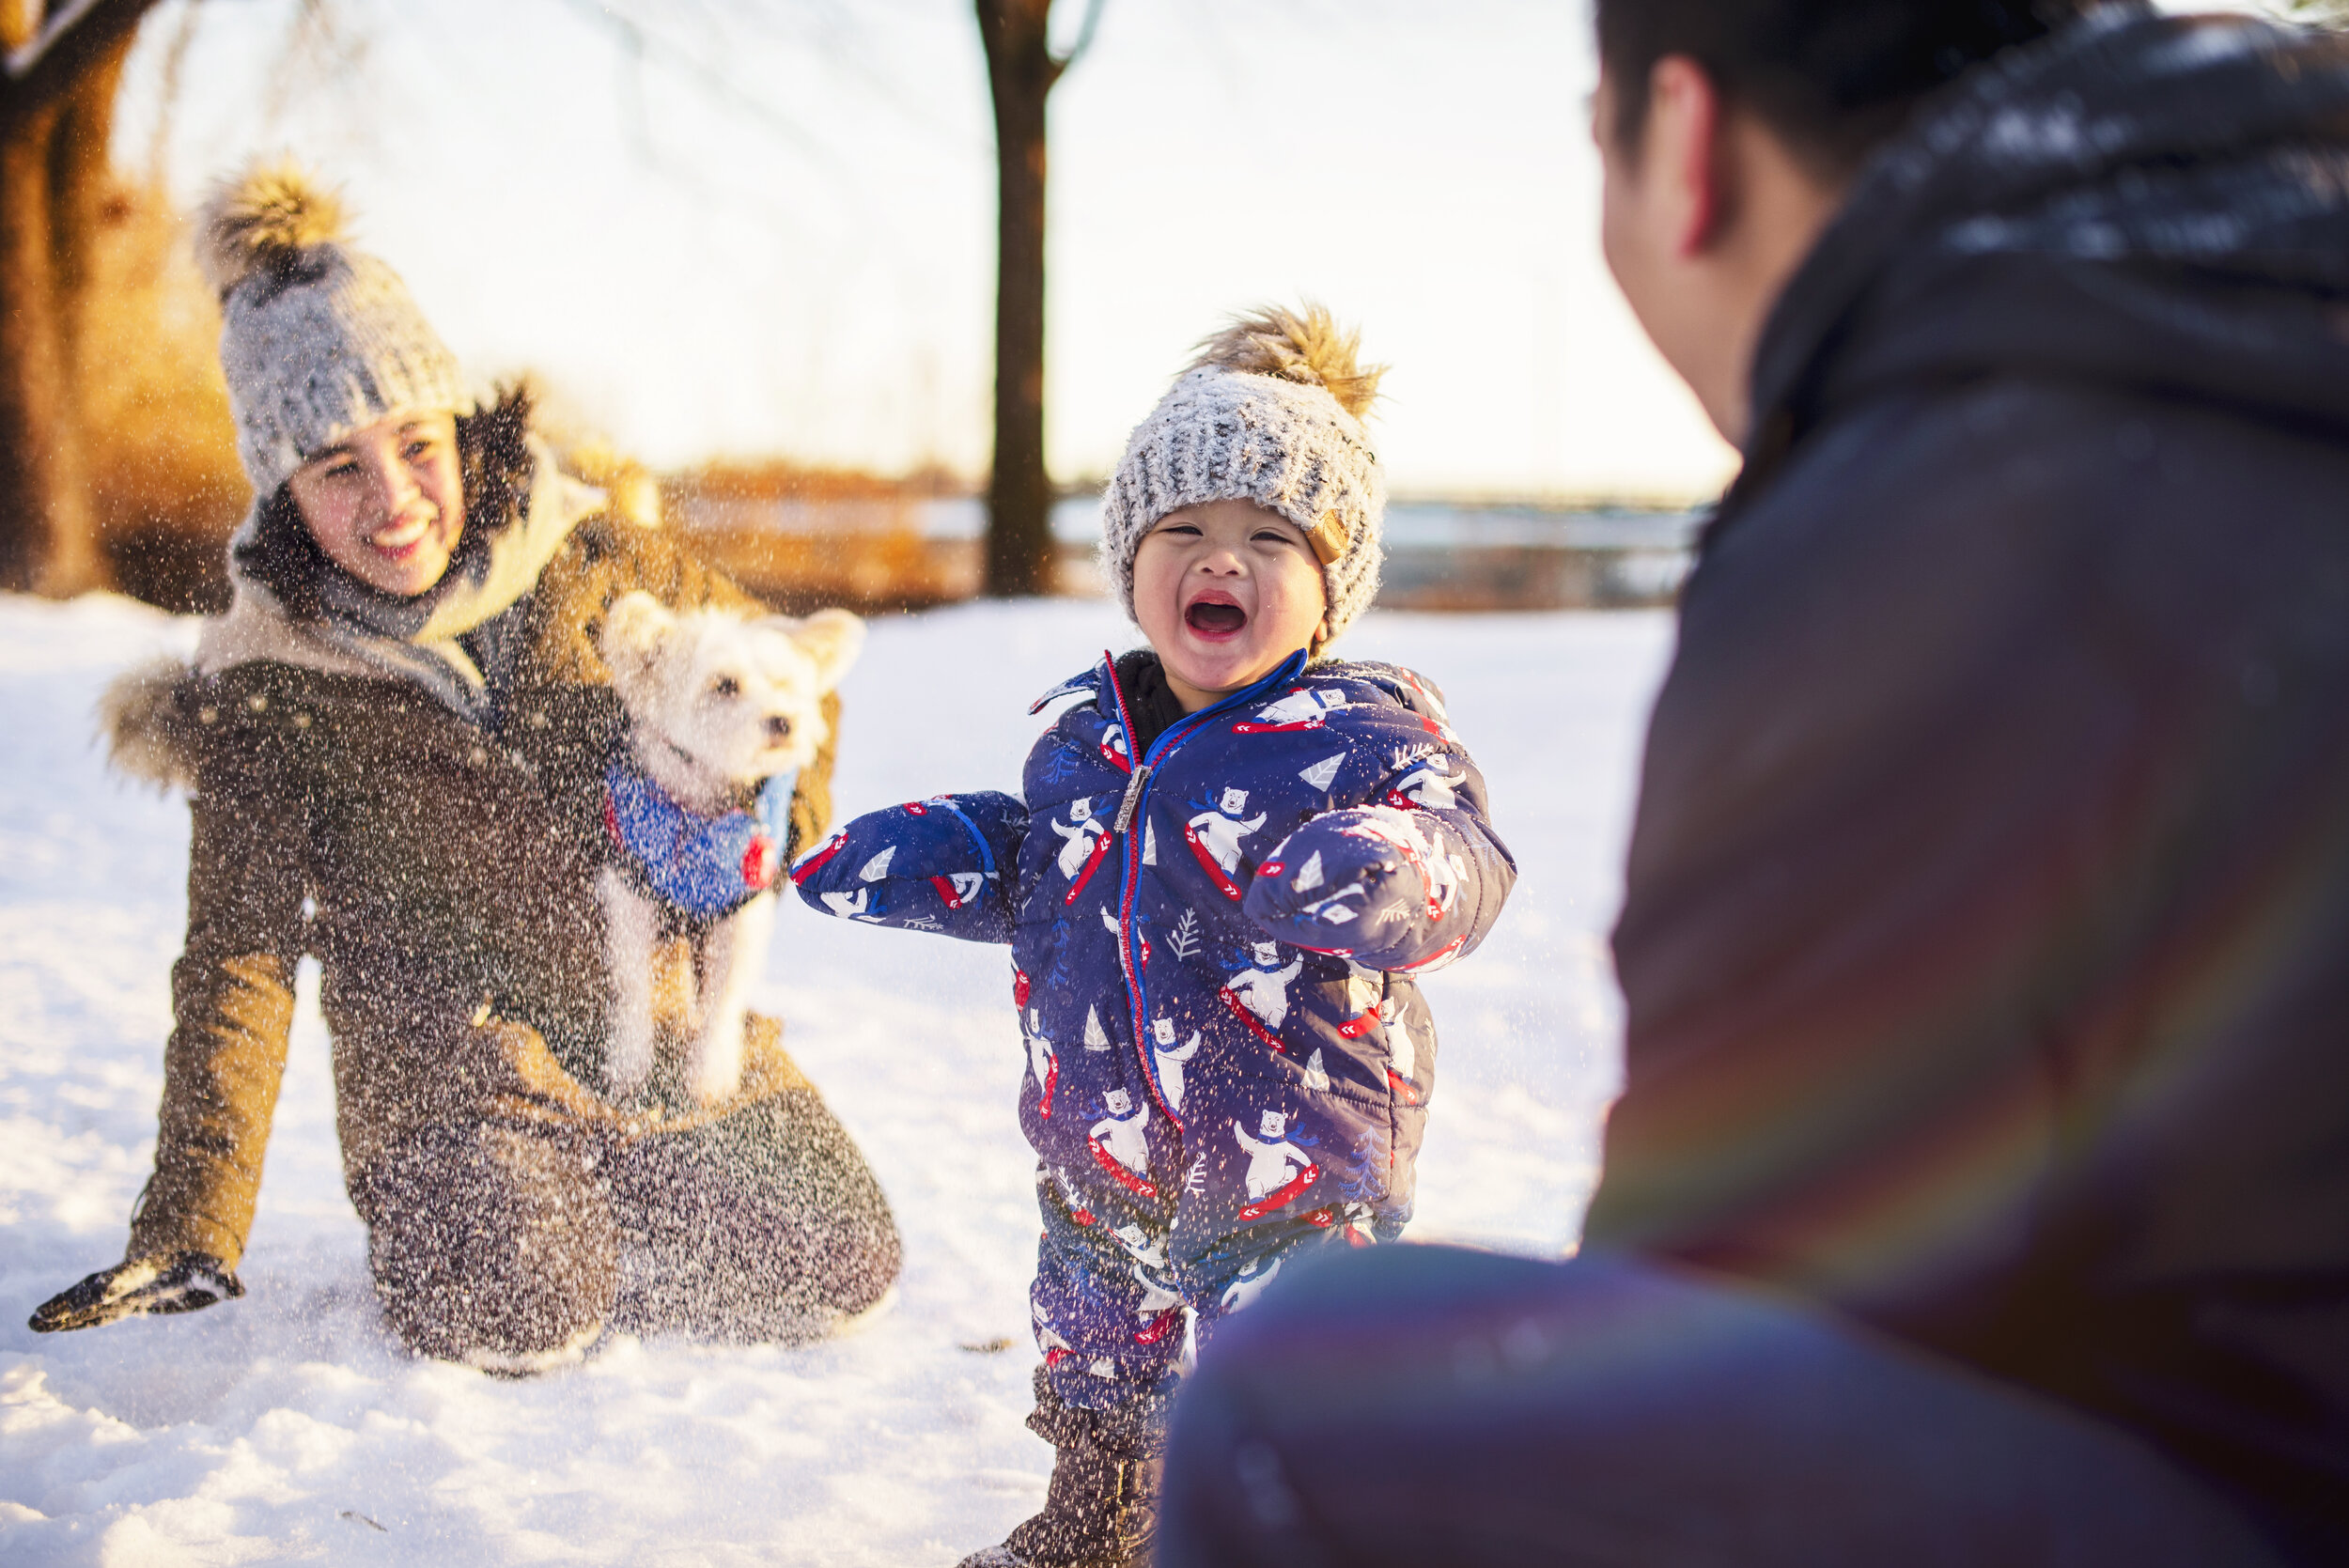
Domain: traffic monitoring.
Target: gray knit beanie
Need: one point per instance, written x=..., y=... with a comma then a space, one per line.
x=1270, y=412
x=317, y=339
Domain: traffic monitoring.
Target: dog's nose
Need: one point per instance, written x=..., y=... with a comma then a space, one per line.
x=778, y=729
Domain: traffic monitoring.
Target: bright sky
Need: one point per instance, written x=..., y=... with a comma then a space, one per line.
x=775, y=235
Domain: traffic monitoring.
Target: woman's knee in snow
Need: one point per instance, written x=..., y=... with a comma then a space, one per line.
x=490, y=1240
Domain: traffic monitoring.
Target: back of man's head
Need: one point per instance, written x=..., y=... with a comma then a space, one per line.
x=1832, y=78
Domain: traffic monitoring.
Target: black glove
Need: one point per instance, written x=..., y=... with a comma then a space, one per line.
x=163, y=1282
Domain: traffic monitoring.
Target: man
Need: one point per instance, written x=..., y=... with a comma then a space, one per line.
x=1980, y=1188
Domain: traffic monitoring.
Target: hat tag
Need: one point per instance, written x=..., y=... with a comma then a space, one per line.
x=1328, y=537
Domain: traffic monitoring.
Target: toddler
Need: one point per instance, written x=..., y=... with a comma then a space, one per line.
x=1232, y=858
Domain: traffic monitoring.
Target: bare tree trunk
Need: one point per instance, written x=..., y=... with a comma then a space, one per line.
x=55, y=115
x=1021, y=69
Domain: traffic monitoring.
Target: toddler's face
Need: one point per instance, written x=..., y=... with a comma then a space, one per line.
x=1224, y=591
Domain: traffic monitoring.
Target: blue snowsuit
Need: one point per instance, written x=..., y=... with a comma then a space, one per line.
x=1227, y=1058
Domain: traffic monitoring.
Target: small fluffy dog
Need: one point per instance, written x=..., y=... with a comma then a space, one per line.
x=724, y=711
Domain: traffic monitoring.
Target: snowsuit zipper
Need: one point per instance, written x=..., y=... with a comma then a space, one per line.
x=1129, y=808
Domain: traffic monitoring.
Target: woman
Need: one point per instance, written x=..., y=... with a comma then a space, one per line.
x=394, y=745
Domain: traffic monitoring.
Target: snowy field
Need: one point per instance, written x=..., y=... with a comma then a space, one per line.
x=288, y=1427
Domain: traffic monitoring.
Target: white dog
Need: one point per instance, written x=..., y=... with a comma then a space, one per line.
x=724, y=711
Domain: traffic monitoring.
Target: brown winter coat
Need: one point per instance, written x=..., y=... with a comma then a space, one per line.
x=441, y=875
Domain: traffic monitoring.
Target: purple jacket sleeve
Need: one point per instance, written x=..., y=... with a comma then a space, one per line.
x=928, y=865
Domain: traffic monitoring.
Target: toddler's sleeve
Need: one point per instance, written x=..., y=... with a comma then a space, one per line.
x=927, y=865
x=1410, y=882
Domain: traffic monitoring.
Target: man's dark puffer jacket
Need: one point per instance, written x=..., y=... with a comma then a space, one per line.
x=1986, y=938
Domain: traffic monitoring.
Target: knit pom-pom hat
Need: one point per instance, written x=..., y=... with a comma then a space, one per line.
x=1271, y=411
x=317, y=338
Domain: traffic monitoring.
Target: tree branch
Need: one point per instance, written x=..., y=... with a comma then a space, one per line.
x=1084, y=39
x=69, y=43
x=643, y=45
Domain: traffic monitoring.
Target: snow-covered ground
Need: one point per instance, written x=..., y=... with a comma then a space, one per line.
x=288, y=1427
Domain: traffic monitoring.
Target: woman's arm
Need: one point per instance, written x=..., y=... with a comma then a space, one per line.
x=232, y=1002
x=940, y=865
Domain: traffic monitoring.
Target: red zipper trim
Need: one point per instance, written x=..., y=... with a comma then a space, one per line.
x=1127, y=956
x=1133, y=876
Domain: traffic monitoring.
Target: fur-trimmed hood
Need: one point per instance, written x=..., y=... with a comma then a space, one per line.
x=145, y=723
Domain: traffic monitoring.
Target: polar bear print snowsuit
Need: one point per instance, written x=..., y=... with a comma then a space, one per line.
x=1264, y=991
x=1271, y=1157
x=1218, y=829
x=1077, y=838
x=1119, y=1134
x=1242, y=1018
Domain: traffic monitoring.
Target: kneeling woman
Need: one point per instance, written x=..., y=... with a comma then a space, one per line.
x=394, y=746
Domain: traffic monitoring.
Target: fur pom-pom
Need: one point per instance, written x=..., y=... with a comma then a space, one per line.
x=1309, y=348
x=139, y=717
x=262, y=221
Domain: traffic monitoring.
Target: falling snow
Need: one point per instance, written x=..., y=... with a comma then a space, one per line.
x=288, y=1426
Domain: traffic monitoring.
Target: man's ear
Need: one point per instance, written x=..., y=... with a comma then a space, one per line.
x=1681, y=147
x=633, y=631
x=831, y=639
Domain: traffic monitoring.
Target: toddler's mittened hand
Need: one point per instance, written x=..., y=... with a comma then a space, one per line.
x=1351, y=881
x=927, y=865
x=139, y=1287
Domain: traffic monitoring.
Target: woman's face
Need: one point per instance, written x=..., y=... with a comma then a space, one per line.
x=387, y=502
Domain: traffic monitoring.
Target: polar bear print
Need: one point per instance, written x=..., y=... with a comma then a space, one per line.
x=1270, y=1156
x=1170, y=1058
x=1077, y=837
x=1219, y=830
x=1264, y=991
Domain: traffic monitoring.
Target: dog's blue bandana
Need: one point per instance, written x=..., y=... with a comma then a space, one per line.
x=706, y=866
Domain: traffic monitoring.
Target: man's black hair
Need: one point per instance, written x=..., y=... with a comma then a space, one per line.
x=1833, y=78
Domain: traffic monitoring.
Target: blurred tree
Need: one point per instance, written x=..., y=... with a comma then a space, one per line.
x=2325, y=13
x=1021, y=69
x=64, y=59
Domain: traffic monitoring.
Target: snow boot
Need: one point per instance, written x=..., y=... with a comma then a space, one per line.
x=1101, y=1508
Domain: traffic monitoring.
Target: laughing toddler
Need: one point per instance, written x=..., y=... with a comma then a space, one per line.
x=1231, y=857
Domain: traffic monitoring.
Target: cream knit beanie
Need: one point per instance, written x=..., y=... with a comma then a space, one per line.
x=317, y=339
x=1270, y=412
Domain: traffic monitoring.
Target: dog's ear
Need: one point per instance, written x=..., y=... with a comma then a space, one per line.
x=633, y=631
x=831, y=639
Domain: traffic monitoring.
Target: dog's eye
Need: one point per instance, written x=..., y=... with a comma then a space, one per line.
x=727, y=687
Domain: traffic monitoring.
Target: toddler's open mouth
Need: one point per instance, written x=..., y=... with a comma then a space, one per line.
x=1215, y=618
